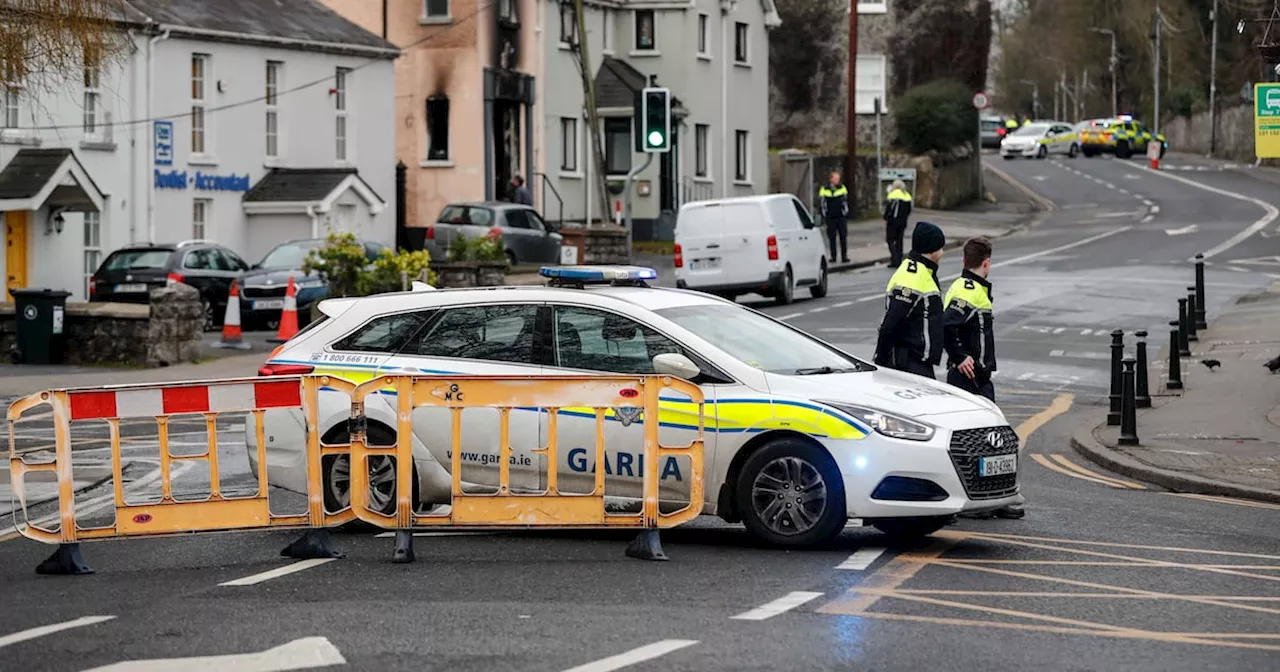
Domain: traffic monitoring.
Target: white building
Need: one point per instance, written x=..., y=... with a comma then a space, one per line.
x=248, y=122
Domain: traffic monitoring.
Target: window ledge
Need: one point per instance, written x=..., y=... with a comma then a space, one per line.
x=272, y=162
x=19, y=138
x=742, y=64
x=645, y=53
x=202, y=160
x=571, y=175
x=704, y=179
x=743, y=183
x=436, y=163
x=98, y=145
x=703, y=56
x=564, y=46
x=435, y=20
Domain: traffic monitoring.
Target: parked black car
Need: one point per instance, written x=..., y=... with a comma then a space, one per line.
x=129, y=274
x=262, y=289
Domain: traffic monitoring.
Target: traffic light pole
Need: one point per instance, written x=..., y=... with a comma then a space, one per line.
x=626, y=198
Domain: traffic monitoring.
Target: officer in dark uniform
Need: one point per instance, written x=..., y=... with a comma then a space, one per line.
x=911, y=333
x=970, y=336
x=834, y=204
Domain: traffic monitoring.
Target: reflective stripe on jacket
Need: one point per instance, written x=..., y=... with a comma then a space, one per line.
x=912, y=326
x=834, y=201
x=968, y=323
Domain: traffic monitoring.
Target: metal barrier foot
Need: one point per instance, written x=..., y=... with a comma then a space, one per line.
x=646, y=546
x=404, y=547
x=313, y=545
x=66, y=561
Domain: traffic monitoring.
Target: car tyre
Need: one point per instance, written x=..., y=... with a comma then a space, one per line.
x=337, y=475
x=1007, y=157
x=910, y=529
x=820, y=290
x=790, y=493
x=511, y=259
x=1123, y=151
x=1042, y=152
x=1075, y=149
x=787, y=292
x=1089, y=153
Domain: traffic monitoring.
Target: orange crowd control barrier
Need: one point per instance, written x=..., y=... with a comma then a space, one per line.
x=637, y=396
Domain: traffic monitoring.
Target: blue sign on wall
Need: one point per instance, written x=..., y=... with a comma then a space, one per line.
x=179, y=179
x=164, y=143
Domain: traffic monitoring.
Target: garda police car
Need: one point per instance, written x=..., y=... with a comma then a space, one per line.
x=800, y=436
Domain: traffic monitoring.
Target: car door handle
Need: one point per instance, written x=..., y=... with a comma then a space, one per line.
x=713, y=246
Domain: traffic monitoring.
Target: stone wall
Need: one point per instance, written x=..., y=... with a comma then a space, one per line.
x=168, y=331
x=1235, y=133
x=943, y=181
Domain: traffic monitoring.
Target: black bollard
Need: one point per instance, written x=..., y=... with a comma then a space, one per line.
x=1191, y=315
x=1175, y=364
x=1117, y=353
x=1184, y=346
x=1200, y=307
x=1128, y=413
x=1141, y=391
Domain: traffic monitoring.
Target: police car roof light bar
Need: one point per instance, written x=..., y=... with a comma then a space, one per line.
x=580, y=276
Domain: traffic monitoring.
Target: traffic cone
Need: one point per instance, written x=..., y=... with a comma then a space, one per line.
x=289, y=316
x=232, y=338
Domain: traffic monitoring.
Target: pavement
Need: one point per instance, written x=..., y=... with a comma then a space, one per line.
x=1108, y=571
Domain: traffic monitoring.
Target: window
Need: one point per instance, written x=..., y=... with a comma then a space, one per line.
x=872, y=7
x=516, y=219
x=568, y=24
x=741, y=165
x=226, y=260
x=507, y=11
x=803, y=214
x=340, y=117
x=701, y=136
x=703, y=34
x=645, y=40
x=606, y=30
x=199, y=77
x=273, y=113
x=388, y=334
x=435, y=9
x=740, y=43
x=490, y=333
x=568, y=144
x=92, y=92
x=871, y=85
x=9, y=114
x=598, y=341
x=199, y=260
x=617, y=145
x=200, y=217
x=92, y=245
x=438, y=128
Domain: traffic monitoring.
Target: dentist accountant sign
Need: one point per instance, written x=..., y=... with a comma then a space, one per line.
x=181, y=179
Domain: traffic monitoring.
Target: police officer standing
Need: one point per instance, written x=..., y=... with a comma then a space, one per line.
x=911, y=334
x=897, y=209
x=969, y=334
x=834, y=204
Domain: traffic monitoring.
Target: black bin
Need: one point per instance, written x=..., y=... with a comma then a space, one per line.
x=41, y=319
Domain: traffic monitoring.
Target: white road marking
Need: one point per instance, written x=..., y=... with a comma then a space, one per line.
x=843, y=304
x=790, y=316
x=1078, y=355
x=646, y=652
x=1155, y=209
x=1148, y=219
x=1110, y=215
x=1059, y=330
x=861, y=559
x=388, y=535
x=1124, y=191
x=43, y=630
x=1237, y=269
x=778, y=606
x=820, y=309
x=300, y=654
x=100, y=502
x=1060, y=248
x=1271, y=213
x=1190, y=228
x=873, y=297
x=291, y=568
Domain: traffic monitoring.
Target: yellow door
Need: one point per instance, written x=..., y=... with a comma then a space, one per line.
x=15, y=250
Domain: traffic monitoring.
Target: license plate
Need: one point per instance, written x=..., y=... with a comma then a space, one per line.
x=999, y=465
x=705, y=264
x=270, y=304
x=131, y=289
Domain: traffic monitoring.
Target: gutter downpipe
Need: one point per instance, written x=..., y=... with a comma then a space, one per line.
x=315, y=224
x=151, y=184
x=726, y=7
x=133, y=141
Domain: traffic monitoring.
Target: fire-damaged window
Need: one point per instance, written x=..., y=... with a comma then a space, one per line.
x=568, y=24
x=438, y=128
x=507, y=12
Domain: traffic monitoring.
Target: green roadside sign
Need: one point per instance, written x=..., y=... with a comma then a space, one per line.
x=1266, y=120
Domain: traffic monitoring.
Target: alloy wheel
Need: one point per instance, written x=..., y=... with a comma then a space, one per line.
x=789, y=496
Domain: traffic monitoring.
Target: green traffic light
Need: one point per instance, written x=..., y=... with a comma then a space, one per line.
x=655, y=138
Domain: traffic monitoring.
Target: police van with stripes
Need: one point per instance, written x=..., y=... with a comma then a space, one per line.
x=800, y=436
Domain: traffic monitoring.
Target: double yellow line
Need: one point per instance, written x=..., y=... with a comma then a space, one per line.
x=1066, y=467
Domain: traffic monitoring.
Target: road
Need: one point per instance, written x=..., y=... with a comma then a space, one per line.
x=1104, y=573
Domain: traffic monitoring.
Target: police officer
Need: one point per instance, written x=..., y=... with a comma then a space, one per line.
x=911, y=334
x=834, y=204
x=897, y=209
x=1011, y=124
x=969, y=335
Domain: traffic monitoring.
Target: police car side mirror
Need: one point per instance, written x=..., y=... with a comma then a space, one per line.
x=675, y=364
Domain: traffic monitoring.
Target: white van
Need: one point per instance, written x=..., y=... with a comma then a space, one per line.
x=764, y=245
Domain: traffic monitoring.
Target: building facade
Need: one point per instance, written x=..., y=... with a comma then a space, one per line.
x=164, y=143
x=875, y=22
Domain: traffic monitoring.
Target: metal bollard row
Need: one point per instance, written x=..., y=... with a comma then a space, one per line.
x=1117, y=354
x=1128, y=413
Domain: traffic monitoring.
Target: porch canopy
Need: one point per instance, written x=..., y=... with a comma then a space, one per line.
x=36, y=178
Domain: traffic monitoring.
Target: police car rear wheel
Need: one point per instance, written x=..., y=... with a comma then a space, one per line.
x=906, y=529
x=382, y=475
x=790, y=494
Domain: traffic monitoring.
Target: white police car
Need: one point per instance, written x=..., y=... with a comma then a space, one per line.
x=800, y=435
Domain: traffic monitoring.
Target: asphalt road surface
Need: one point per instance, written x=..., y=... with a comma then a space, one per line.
x=1104, y=573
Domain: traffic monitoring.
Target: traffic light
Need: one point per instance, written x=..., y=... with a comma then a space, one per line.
x=655, y=120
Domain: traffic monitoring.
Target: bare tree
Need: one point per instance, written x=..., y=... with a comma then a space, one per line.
x=44, y=43
x=582, y=56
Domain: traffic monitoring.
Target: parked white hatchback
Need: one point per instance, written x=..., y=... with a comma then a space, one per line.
x=800, y=436
x=765, y=245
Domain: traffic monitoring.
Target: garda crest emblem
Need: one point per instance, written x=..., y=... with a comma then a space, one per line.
x=627, y=414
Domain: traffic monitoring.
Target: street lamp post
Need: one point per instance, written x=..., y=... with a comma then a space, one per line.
x=1115, y=106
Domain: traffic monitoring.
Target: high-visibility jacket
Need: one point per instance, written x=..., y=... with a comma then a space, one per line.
x=967, y=325
x=1010, y=123
x=912, y=328
x=897, y=209
x=834, y=201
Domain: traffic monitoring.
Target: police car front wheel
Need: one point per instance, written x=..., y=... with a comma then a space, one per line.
x=382, y=475
x=790, y=493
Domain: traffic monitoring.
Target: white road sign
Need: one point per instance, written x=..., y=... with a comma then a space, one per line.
x=980, y=100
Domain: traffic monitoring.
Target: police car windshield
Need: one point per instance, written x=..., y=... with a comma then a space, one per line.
x=761, y=342
x=1031, y=129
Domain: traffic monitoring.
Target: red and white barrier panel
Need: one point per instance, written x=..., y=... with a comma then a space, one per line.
x=152, y=402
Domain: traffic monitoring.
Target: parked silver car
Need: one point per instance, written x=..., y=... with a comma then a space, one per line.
x=528, y=239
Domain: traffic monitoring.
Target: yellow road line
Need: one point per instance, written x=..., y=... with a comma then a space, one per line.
x=1116, y=596
x=1106, y=563
x=1062, y=459
x=1139, y=547
x=890, y=575
x=1226, y=500
x=1046, y=463
x=1061, y=404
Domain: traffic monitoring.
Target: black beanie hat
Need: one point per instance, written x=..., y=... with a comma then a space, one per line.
x=927, y=238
